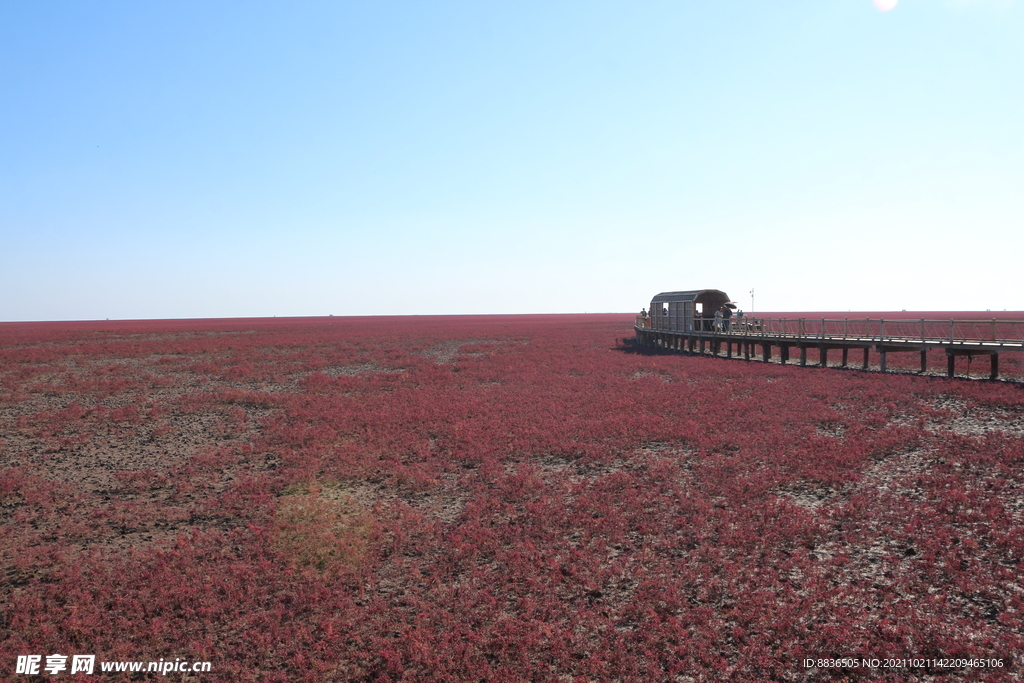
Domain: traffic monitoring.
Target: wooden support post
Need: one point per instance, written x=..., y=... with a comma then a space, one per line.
x=865, y=366
x=728, y=349
x=881, y=353
x=823, y=360
x=766, y=352
x=783, y=354
x=924, y=360
x=746, y=350
x=702, y=346
x=846, y=354
x=995, y=366
x=950, y=364
x=803, y=356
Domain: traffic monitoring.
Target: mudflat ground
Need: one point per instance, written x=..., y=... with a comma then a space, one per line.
x=498, y=498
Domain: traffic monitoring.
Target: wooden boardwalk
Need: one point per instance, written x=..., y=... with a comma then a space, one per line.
x=954, y=337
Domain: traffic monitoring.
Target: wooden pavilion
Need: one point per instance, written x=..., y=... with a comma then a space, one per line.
x=689, y=311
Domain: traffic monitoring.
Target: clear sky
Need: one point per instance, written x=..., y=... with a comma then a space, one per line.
x=211, y=159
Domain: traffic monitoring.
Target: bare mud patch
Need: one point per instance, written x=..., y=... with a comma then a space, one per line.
x=444, y=502
x=640, y=374
x=358, y=369
x=948, y=414
x=449, y=351
x=807, y=495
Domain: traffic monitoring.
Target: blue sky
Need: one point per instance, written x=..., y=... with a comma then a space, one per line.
x=187, y=159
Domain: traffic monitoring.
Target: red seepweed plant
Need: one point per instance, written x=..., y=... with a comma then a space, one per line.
x=497, y=498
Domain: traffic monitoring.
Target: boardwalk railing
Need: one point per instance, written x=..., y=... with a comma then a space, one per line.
x=956, y=337
x=880, y=330
x=870, y=330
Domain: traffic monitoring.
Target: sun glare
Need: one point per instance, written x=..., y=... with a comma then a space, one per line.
x=884, y=5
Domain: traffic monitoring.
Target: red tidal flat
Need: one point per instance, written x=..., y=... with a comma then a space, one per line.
x=494, y=498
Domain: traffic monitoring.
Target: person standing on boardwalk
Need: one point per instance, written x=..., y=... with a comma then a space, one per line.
x=718, y=320
x=726, y=317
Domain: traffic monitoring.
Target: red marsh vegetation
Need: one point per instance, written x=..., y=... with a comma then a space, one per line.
x=494, y=498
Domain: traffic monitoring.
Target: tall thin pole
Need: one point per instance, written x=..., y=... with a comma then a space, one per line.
x=751, y=299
